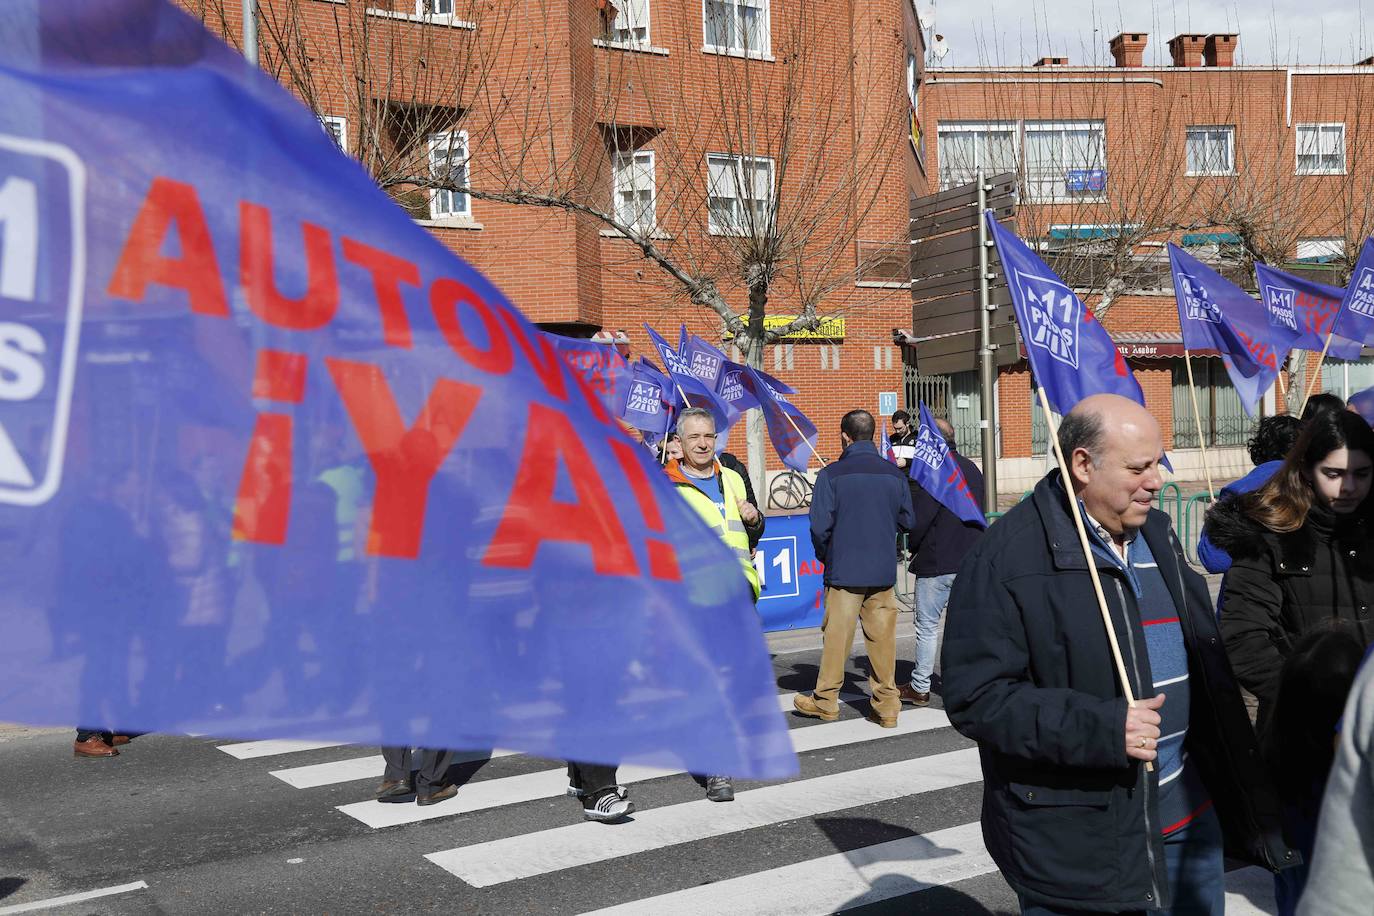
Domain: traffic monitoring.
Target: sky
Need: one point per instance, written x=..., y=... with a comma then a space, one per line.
x=981, y=32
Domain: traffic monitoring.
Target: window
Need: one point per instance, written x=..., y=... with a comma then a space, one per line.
x=1224, y=422
x=631, y=23
x=967, y=146
x=1065, y=160
x=448, y=164
x=1211, y=150
x=737, y=25
x=434, y=7
x=739, y=192
x=337, y=128
x=1321, y=149
x=634, y=189
x=1320, y=251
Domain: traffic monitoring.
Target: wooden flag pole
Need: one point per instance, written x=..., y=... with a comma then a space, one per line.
x=804, y=439
x=1316, y=373
x=1088, y=556
x=1197, y=418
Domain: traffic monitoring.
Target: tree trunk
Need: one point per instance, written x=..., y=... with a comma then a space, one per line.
x=753, y=419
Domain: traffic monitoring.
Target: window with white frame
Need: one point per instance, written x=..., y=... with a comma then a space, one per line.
x=448, y=164
x=1211, y=149
x=434, y=8
x=1321, y=149
x=337, y=128
x=739, y=192
x=737, y=25
x=1320, y=250
x=966, y=146
x=634, y=189
x=1065, y=160
x=631, y=22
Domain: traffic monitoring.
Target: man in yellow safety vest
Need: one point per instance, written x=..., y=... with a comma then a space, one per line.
x=717, y=494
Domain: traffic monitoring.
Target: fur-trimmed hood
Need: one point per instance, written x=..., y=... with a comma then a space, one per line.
x=1229, y=528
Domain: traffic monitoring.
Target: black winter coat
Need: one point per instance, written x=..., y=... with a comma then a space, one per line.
x=1070, y=820
x=940, y=539
x=1283, y=586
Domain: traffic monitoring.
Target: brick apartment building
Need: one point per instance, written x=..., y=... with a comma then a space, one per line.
x=1234, y=163
x=680, y=118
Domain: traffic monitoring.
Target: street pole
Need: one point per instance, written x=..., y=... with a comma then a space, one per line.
x=250, y=31
x=987, y=369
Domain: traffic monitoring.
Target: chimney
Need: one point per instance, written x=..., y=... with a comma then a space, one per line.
x=1052, y=62
x=1220, y=50
x=1186, y=50
x=1129, y=48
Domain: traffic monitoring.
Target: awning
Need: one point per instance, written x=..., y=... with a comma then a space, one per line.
x=1148, y=345
x=1193, y=239
x=1084, y=232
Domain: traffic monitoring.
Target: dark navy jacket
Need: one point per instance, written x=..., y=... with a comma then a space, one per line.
x=1214, y=559
x=859, y=504
x=1068, y=818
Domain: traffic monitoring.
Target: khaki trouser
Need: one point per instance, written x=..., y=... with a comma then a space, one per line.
x=876, y=610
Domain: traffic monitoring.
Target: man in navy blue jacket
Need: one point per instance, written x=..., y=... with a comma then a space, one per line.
x=859, y=504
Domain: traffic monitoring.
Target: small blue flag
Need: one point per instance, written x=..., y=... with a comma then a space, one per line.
x=934, y=467
x=647, y=404
x=274, y=462
x=1071, y=355
x=1214, y=313
x=1305, y=306
x=1355, y=319
x=792, y=434
x=885, y=444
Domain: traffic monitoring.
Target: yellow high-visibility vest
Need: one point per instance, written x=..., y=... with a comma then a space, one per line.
x=728, y=524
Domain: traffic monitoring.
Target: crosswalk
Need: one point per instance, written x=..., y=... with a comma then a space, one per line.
x=850, y=769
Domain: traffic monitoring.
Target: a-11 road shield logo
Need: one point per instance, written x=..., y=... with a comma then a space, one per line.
x=1054, y=313
x=42, y=279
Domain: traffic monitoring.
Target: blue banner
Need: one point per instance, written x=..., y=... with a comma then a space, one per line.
x=793, y=595
x=1214, y=313
x=1071, y=355
x=792, y=434
x=275, y=462
x=690, y=390
x=604, y=369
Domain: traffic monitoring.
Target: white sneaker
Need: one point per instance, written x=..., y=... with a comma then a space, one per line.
x=607, y=806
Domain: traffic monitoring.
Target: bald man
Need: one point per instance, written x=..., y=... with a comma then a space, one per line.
x=1070, y=814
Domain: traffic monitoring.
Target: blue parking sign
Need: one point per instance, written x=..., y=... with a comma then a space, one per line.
x=887, y=403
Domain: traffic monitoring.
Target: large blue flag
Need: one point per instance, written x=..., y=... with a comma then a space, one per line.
x=647, y=407
x=1071, y=355
x=1304, y=306
x=933, y=467
x=1214, y=313
x=601, y=365
x=792, y=434
x=1355, y=319
x=708, y=363
x=275, y=462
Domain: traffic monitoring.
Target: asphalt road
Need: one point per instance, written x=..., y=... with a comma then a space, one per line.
x=877, y=822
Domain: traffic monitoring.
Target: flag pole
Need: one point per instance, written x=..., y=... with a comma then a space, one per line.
x=804, y=439
x=1317, y=373
x=1197, y=418
x=1088, y=555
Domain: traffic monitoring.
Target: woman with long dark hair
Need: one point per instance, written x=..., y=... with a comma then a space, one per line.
x=1302, y=553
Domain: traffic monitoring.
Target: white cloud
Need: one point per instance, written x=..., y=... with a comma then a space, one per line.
x=1283, y=31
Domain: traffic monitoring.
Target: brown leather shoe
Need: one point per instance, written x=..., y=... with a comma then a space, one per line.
x=436, y=796
x=884, y=721
x=395, y=790
x=120, y=740
x=806, y=706
x=93, y=747
x=913, y=696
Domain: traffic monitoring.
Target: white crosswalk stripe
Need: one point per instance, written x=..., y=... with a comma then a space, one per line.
x=834, y=883
x=498, y=861
x=247, y=750
x=355, y=768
